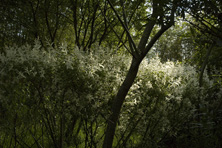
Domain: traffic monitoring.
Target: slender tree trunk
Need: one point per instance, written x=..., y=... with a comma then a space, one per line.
x=205, y=64
x=119, y=99
x=138, y=54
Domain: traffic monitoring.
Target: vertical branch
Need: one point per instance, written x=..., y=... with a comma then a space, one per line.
x=47, y=20
x=205, y=64
x=15, y=133
x=105, y=24
x=120, y=38
x=42, y=126
x=34, y=11
x=49, y=128
x=86, y=132
x=61, y=131
x=57, y=22
x=126, y=23
x=92, y=24
x=74, y=4
x=37, y=33
x=62, y=118
x=149, y=28
x=130, y=18
x=134, y=48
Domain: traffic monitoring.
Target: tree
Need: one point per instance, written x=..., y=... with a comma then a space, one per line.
x=162, y=13
x=33, y=19
x=206, y=16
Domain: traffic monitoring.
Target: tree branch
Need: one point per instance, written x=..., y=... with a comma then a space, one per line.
x=149, y=28
x=133, y=51
x=163, y=29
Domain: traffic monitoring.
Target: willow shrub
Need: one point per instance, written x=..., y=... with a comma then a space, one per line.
x=48, y=97
x=61, y=97
x=166, y=108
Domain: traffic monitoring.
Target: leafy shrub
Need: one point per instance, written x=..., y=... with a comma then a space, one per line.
x=62, y=97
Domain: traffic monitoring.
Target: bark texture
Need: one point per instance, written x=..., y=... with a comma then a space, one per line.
x=118, y=102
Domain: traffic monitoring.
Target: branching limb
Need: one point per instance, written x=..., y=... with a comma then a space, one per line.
x=133, y=51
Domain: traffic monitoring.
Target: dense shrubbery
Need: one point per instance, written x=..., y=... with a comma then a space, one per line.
x=61, y=97
x=167, y=99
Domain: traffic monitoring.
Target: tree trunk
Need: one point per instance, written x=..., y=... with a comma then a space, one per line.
x=138, y=54
x=205, y=64
x=118, y=102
